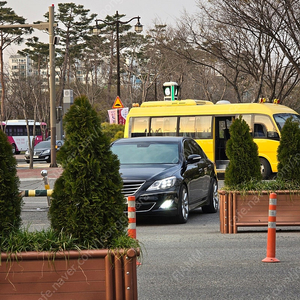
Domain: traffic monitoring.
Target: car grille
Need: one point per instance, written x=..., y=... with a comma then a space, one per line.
x=130, y=187
x=37, y=152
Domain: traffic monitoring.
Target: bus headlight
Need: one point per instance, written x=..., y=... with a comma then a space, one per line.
x=162, y=184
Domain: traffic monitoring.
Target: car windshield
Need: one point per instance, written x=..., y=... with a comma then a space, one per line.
x=280, y=119
x=146, y=153
x=43, y=145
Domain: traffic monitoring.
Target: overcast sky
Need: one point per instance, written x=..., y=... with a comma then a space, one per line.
x=162, y=11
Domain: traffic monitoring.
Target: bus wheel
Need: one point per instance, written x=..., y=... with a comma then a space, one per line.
x=14, y=150
x=265, y=168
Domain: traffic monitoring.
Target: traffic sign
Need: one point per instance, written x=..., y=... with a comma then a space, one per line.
x=118, y=103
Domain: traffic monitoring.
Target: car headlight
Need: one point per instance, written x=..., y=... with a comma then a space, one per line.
x=46, y=151
x=162, y=184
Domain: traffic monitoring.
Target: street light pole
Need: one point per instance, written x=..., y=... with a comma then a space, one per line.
x=50, y=27
x=138, y=28
x=52, y=86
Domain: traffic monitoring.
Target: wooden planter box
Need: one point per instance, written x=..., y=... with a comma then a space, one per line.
x=252, y=209
x=88, y=275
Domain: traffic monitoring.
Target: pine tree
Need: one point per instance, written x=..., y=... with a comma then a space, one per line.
x=242, y=153
x=87, y=201
x=10, y=199
x=75, y=25
x=288, y=152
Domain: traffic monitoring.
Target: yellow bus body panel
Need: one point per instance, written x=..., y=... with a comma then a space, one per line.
x=267, y=148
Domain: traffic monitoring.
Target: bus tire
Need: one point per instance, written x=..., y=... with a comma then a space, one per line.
x=265, y=168
x=14, y=149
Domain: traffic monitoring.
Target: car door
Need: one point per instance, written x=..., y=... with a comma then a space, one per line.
x=194, y=173
x=205, y=166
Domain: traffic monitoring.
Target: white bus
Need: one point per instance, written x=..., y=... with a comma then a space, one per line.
x=16, y=132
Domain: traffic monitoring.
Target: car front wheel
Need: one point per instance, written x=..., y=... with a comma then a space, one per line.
x=183, y=205
x=212, y=198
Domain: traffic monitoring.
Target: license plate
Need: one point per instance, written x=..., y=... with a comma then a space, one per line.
x=35, y=156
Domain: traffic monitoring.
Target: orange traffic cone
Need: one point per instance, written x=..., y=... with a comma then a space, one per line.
x=271, y=242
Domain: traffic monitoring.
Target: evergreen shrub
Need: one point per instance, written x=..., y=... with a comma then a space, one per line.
x=242, y=152
x=87, y=202
x=10, y=199
x=114, y=131
x=288, y=152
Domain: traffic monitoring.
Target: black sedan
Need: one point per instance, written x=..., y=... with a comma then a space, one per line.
x=42, y=151
x=167, y=175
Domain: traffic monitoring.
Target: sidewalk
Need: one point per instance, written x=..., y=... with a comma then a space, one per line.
x=35, y=173
x=25, y=173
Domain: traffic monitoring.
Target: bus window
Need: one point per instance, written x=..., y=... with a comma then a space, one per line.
x=248, y=120
x=264, y=127
x=280, y=119
x=197, y=127
x=139, y=126
x=165, y=126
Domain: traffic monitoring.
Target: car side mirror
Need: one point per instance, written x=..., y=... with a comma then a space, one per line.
x=193, y=158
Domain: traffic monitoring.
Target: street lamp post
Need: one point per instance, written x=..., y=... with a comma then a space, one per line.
x=49, y=26
x=138, y=28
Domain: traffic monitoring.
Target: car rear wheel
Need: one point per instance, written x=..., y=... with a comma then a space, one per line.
x=183, y=205
x=212, y=198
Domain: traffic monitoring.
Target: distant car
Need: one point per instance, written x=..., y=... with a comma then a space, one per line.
x=42, y=151
x=168, y=176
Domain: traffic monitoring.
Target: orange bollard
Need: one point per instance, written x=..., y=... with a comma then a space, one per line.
x=271, y=242
x=131, y=217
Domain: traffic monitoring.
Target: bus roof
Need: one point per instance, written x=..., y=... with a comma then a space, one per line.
x=154, y=108
x=21, y=122
x=176, y=103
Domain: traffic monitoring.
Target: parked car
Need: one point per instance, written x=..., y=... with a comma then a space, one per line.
x=42, y=151
x=167, y=175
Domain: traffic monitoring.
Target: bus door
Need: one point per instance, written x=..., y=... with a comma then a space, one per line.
x=222, y=135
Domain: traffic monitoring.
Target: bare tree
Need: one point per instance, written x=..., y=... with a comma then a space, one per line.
x=273, y=27
x=27, y=95
x=8, y=36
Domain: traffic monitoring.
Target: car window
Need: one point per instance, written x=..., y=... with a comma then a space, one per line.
x=146, y=153
x=41, y=145
x=191, y=147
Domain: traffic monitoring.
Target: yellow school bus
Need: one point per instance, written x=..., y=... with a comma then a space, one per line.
x=209, y=124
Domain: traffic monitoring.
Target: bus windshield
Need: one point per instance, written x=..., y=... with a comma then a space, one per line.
x=280, y=119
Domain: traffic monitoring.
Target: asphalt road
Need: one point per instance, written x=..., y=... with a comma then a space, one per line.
x=195, y=261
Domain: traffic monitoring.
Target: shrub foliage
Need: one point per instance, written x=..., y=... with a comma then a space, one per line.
x=87, y=202
x=10, y=200
x=242, y=152
x=288, y=152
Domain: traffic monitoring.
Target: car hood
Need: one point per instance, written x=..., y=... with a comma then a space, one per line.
x=147, y=172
